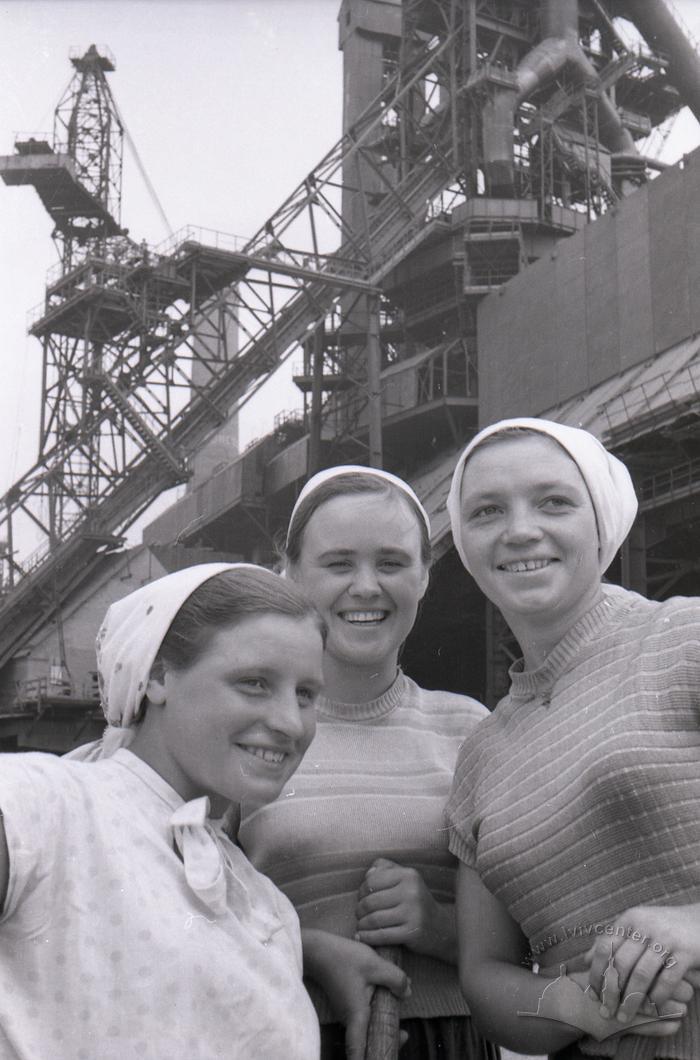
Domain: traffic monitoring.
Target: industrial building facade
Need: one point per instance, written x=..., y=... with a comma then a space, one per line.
x=484, y=240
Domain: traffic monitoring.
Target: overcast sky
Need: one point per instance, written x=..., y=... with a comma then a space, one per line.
x=230, y=103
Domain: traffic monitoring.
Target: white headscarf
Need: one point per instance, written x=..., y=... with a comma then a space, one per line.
x=607, y=479
x=127, y=644
x=356, y=469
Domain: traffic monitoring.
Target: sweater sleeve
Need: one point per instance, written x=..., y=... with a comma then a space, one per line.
x=460, y=811
x=32, y=806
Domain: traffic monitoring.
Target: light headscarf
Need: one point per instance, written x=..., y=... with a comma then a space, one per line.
x=607, y=480
x=127, y=644
x=356, y=469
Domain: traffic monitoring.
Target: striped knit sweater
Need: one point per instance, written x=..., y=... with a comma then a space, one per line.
x=373, y=784
x=580, y=796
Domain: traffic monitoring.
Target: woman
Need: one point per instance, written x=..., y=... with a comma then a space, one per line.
x=575, y=808
x=130, y=925
x=357, y=840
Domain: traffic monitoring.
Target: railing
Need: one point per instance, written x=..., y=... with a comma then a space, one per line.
x=679, y=481
x=654, y=396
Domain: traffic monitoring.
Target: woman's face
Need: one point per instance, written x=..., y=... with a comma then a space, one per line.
x=529, y=528
x=238, y=721
x=361, y=565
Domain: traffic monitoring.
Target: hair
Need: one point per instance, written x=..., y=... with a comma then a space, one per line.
x=223, y=601
x=349, y=484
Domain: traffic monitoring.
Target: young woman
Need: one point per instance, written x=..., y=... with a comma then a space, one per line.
x=357, y=840
x=130, y=925
x=575, y=810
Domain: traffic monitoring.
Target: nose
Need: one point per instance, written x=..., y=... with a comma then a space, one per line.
x=285, y=715
x=365, y=582
x=521, y=525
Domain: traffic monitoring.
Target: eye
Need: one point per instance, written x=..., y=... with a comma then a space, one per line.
x=338, y=564
x=254, y=685
x=307, y=696
x=390, y=564
x=556, y=503
x=485, y=512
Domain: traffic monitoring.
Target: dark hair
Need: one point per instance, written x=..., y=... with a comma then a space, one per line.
x=222, y=601
x=352, y=482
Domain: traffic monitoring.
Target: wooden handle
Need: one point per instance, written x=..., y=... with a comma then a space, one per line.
x=383, y=1030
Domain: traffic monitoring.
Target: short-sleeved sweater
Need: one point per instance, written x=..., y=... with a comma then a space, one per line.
x=579, y=797
x=105, y=951
x=373, y=784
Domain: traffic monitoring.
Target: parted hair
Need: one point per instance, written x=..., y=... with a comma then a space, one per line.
x=352, y=483
x=223, y=601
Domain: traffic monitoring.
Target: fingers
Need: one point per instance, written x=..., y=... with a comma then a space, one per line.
x=356, y=1034
x=388, y=936
x=635, y=974
x=377, y=901
x=393, y=978
x=381, y=874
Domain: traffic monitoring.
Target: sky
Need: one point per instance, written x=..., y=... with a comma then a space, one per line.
x=229, y=102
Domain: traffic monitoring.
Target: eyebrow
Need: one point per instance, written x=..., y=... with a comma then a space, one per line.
x=393, y=550
x=537, y=487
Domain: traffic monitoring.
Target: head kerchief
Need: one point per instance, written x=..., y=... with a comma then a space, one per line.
x=356, y=469
x=127, y=644
x=607, y=479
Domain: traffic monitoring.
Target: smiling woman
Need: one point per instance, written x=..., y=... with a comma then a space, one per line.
x=167, y=941
x=357, y=840
x=575, y=807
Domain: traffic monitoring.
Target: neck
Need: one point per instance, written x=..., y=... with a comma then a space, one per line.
x=538, y=636
x=346, y=683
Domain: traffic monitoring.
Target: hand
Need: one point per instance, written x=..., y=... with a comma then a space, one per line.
x=348, y=971
x=395, y=907
x=659, y=949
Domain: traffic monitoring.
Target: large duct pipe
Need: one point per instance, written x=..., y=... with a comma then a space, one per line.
x=559, y=48
x=662, y=33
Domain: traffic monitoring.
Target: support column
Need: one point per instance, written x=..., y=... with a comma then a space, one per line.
x=374, y=385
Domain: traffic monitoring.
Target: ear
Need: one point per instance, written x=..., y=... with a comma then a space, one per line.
x=425, y=581
x=155, y=691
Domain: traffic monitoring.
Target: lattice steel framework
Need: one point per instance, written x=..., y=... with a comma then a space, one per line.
x=139, y=369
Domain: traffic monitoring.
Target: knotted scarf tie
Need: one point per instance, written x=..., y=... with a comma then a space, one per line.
x=212, y=872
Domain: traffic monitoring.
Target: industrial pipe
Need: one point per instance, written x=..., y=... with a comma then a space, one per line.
x=662, y=33
x=558, y=49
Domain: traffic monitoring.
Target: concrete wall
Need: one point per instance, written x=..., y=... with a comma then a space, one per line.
x=81, y=620
x=615, y=294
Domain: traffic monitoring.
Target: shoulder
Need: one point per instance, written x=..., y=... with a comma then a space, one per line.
x=676, y=619
x=448, y=705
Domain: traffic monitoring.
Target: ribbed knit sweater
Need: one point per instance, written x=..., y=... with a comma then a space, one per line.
x=579, y=797
x=373, y=784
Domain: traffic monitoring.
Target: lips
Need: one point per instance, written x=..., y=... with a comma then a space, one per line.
x=521, y=566
x=364, y=618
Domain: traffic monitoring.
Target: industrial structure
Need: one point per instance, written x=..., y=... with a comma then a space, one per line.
x=402, y=278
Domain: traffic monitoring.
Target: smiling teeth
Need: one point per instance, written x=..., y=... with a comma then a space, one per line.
x=265, y=753
x=524, y=564
x=364, y=616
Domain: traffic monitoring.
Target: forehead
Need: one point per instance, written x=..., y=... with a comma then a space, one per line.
x=513, y=463
x=270, y=639
x=363, y=520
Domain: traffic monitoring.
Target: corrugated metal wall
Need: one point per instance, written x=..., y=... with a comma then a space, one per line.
x=621, y=291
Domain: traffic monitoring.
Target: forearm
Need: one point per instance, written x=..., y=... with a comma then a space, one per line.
x=440, y=940
x=317, y=951
x=496, y=991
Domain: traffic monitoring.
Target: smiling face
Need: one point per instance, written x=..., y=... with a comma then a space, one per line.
x=529, y=531
x=238, y=721
x=360, y=564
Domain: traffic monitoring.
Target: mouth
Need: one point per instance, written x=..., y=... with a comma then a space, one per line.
x=522, y=566
x=265, y=753
x=364, y=618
